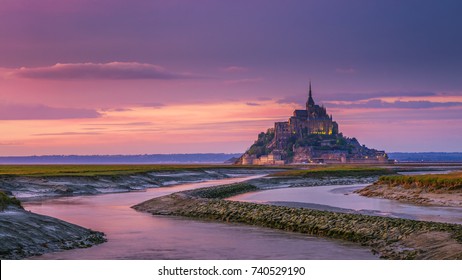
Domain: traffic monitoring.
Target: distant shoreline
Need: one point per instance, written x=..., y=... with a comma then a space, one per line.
x=202, y=158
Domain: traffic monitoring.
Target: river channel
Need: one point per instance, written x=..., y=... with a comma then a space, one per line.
x=343, y=199
x=136, y=235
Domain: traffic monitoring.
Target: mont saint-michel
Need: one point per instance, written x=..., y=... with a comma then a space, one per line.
x=309, y=136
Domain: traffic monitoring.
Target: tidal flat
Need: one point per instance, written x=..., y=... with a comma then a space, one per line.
x=54, y=190
x=391, y=238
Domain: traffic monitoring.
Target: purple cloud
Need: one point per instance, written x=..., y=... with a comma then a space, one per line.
x=243, y=81
x=235, y=69
x=152, y=105
x=252, y=104
x=371, y=95
x=108, y=71
x=42, y=112
x=379, y=104
x=293, y=99
x=115, y=109
x=301, y=99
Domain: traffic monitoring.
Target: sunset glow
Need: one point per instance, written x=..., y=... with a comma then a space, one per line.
x=95, y=77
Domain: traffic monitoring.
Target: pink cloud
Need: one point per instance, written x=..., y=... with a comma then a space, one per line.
x=12, y=143
x=66, y=133
x=152, y=105
x=43, y=112
x=108, y=71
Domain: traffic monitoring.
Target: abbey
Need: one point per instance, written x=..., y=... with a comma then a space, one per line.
x=312, y=120
x=309, y=136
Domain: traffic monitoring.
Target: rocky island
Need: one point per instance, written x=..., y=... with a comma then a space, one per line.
x=309, y=136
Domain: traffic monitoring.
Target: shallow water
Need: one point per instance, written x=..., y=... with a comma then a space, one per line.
x=342, y=199
x=136, y=235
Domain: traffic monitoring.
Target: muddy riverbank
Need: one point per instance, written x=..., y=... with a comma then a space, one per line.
x=25, y=234
x=27, y=188
x=413, y=195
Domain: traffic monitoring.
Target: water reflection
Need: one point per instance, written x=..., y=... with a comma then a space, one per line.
x=135, y=235
x=342, y=198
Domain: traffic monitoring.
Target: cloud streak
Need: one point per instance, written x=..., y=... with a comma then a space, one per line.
x=13, y=143
x=252, y=104
x=43, y=112
x=67, y=133
x=373, y=95
x=100, y=71
x=379, y=104
x=243, y=81
x=235, y=69
x=352, y=97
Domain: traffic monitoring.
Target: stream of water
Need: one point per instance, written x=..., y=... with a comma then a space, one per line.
x=343, y=199
x=136, y=235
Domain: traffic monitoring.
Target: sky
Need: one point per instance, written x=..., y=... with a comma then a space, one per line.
x=139, y=77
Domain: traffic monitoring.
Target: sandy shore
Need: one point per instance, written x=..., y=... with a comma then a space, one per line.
x=413, y=195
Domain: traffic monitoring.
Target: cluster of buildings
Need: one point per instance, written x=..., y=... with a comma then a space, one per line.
x=309, y=136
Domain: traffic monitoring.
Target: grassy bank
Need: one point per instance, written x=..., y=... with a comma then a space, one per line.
x=391, y=238
x=6, y=201
x=336, y=171
x=105, y=170
x=429, y=183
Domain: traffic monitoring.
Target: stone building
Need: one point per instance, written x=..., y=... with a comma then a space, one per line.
x=311, y=120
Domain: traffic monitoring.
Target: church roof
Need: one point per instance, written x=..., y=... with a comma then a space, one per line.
x=301, y=114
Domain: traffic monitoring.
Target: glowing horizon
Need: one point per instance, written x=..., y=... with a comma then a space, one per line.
x=191, y=78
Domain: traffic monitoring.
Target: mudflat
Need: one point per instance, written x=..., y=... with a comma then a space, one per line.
x=436, y=189
x=391, y=238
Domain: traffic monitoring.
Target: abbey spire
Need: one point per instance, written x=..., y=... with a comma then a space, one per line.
x=310, y=102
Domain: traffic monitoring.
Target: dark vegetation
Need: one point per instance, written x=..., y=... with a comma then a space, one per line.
x=259, y=148
x=105, y=170
x=6, y=200
x=120, y=159
x=429, y=183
